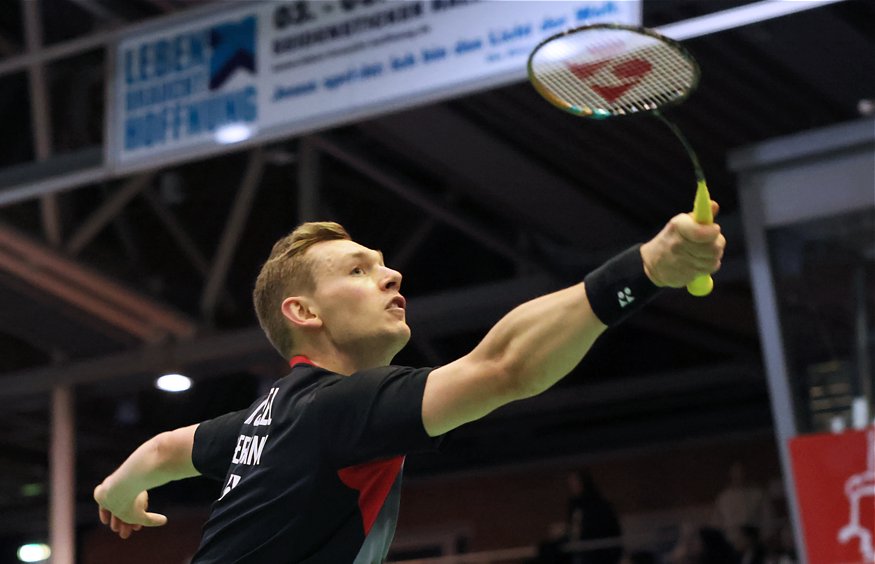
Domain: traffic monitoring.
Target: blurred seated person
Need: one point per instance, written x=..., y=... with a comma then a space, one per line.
x=702, y=545
x=751, y=548
x=740, y=505
x=640, y=557
x=590, y=517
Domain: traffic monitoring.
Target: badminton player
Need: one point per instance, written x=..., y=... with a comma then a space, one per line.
x=311, y=471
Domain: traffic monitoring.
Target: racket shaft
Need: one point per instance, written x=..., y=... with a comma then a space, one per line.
x=702, y=285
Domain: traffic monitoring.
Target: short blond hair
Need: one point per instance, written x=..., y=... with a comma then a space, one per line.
x=288, y=272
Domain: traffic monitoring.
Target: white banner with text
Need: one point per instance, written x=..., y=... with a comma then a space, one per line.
x=188, y=85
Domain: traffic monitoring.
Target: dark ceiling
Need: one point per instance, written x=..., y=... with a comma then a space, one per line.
x=482, y=202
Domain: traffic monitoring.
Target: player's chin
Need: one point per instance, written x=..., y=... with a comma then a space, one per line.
x=401, y=335
x=402, y=330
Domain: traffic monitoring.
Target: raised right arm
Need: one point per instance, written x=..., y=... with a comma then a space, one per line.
x=541, y=341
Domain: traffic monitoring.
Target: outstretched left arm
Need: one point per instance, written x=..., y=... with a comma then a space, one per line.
x=122, y=496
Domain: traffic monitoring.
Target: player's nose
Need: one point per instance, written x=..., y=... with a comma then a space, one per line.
x=391, y=280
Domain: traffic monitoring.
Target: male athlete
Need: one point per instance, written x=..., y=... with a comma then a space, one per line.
x=312, y=470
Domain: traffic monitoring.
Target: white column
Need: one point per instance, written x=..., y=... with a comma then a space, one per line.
x=62, y=465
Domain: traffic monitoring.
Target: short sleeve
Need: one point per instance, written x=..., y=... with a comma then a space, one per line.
x=214, y=442
x=373, y=414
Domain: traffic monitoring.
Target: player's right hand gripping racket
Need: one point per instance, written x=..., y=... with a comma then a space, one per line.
x=608, y=70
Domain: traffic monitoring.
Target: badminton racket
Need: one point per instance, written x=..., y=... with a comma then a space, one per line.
x=609, y=70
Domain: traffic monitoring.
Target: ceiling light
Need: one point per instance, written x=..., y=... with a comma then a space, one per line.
x=173, y=383
x=34, y=552
x=233, y=133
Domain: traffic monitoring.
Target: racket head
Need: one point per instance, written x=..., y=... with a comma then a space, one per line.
x=610, y=70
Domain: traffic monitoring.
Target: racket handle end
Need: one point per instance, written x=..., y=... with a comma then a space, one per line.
x=701, y=286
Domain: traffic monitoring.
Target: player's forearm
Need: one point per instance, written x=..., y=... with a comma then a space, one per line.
x=161, y=459
x=541, y=341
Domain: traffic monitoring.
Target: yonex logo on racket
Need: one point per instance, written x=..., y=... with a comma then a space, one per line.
x=612, y=85
x=607, y=70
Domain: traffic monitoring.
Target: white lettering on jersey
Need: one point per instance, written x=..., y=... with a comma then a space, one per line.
x=254, y=457
x=233, y=480
x=236, y=458
x=245, y=450
x=265, y=417
x=262, y=414
x=249, y=447
x=248, y=450
x=256, y=412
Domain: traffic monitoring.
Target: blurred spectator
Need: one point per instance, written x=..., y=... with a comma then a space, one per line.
x=688, y=546
x=777, y=535
x=591, y=517
x=740, y=505
x=702, y=546
x=751, y=549
x=784, y=551
x=640, y=557
x=716, y=549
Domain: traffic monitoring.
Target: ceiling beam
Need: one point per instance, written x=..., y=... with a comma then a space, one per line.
x=502, y=176
x=808, y=59
x=183, y=240
x=93, y=41
x=740, y=16
x=230, y=349
x=40, y=115
x=309, y=176
x=233, y=231
x=48, y=271
x=213, y=355
x=99, y=11
x=110, y=208
x=39, y=102
x=444, y=213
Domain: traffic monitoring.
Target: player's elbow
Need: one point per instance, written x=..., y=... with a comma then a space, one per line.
x=169, y=455
x=520, y=380
x=163, y=451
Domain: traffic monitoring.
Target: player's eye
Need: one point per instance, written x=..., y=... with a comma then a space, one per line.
x=357, y=270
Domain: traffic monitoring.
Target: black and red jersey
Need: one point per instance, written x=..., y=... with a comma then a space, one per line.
x=312, y=470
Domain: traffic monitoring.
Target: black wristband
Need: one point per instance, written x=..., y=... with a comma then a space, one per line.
x=619, y=288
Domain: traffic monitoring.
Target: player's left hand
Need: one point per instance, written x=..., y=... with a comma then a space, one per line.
x=124, y=530
x=125, y=516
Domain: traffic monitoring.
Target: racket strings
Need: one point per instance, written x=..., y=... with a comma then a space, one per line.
x=597, y=72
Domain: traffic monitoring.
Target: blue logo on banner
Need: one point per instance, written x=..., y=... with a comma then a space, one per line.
x=233, y=46
x=178, y=86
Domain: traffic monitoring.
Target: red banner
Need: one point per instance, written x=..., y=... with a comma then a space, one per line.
x=835, y=486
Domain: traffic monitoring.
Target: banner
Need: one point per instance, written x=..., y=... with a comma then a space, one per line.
x=835, y=486
x=183, y=86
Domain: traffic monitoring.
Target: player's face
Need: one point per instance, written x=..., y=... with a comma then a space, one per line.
x=358, y=298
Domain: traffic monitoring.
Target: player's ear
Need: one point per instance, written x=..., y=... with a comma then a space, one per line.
x=301, y=312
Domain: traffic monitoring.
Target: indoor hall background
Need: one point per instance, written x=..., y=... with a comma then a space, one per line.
x=164, y=260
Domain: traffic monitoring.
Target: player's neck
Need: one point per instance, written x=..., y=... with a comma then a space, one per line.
x=343, y=362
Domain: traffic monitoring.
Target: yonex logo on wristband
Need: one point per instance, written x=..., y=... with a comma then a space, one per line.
x=625, y=297
x=619, y=288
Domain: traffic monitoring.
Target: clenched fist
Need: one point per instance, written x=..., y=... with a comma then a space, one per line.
x=683, y=250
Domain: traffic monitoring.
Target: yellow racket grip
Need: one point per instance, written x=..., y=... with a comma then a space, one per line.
x=702, y=285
